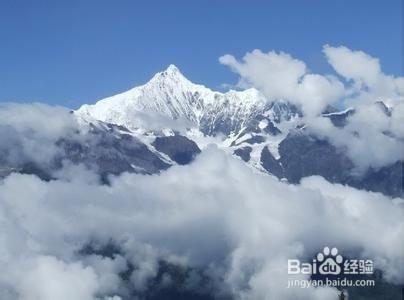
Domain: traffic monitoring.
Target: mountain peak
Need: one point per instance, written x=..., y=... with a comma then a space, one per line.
x=171, y=74
x=172, y=69
x=170, y=94
x=169, y=80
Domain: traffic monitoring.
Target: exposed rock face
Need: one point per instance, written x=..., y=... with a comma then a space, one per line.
x=304, y=155
x=244, y=153
x=113, y=152
x=270, y=164
x=179, y=148
x=339, y=119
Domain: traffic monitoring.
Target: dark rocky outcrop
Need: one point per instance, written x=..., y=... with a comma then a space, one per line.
x=270, y=164
x=179, y=148
x=244, y=153
x=304, y=155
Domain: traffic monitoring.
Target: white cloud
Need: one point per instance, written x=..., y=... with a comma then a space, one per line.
x=353, y=65
x=369, y=82
x=371, y=138
x=29, y=131
x=280, y=76
x=270, y=72
x=379, y=138
x=48, y=278
x=216, y=214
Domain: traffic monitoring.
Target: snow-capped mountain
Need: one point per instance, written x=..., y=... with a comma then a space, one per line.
x=119, y=134
x=268, y=136
x=241, y=118
x=169, y=94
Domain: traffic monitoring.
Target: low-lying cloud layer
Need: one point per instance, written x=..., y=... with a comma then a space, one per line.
x=29, y=132
x=215, y=214
x=372, y=137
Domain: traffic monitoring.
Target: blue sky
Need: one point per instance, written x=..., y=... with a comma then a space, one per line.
x=70, y=52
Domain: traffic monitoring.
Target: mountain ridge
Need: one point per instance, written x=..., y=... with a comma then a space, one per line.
x=170, y=94
x=270, y=137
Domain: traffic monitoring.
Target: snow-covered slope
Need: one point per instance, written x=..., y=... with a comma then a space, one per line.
x=170, y=95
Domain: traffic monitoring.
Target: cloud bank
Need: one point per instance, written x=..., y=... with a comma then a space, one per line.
x=235, y=224
x=29, y=131
x=280, y=76
x=365, y=72
x=374, y=135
